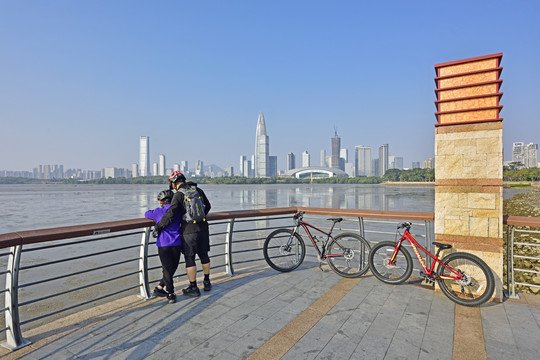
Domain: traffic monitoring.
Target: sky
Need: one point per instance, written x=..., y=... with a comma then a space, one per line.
x=81, y=81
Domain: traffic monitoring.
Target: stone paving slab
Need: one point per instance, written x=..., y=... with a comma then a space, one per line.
x=242, y=315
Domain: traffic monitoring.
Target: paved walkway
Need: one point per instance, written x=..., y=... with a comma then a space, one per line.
x=304, y=314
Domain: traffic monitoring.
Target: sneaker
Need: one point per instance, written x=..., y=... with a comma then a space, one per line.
x=171, y=298
x=191, y=291
x=159, y=292
x=207, y=285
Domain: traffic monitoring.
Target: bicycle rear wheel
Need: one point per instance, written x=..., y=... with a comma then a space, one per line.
x=477, y=285
x=347, y=255
x=284, y=250
x=390, y=273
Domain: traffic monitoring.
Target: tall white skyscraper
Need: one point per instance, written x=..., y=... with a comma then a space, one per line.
x=154, y=169
x=305, y=159
x=135, y=169
x=162, y=167
x=243, y=158
x=383, y=159
x=184, y=167
x=261, y=149
x=323, y=159
x=199, y=170
x=362, y=161
x=144, y=156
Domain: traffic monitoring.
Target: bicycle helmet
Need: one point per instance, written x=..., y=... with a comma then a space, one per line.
x=176, y=176
x=165, y=194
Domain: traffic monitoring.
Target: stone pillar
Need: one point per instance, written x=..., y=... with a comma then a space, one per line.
x=468, y=159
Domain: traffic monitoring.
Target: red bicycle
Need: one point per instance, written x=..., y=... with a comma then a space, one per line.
x=464, y=278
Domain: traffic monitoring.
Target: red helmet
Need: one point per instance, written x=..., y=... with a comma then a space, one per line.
x=176, y=176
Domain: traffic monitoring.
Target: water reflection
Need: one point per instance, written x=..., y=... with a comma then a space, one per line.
x=64, y=205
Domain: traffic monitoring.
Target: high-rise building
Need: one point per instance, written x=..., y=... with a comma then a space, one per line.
x=291, y=161
x=176, y=167
x=161, y=165
x=416, y=165
x=135, y=169
x=395, y=162
x=144, y=156
x=246, y=168
x=272, y=166
x=336, y=146
x=199, y=170
x=527, y=155
x=362, y=161
x=155, y=169
x=261, y=148
x=305, y=159
x=531, y=159
x=184, y=167
x=428, y=164
x=324, y=163
x=243, y=158
x=383, y=159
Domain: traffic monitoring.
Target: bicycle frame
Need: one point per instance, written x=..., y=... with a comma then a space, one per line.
x=428, y=272
x=306, y=227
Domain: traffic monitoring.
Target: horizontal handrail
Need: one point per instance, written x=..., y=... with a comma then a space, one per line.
x=60, y=233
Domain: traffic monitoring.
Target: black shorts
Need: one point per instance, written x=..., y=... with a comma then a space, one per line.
x=195, y=243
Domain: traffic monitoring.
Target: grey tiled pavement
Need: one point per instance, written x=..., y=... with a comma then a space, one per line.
x=240, y=314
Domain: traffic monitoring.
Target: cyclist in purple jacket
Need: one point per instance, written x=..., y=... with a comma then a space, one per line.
x=169, y=246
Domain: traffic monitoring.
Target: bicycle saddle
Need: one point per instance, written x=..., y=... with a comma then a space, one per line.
x=442, y=246
x=336, y=219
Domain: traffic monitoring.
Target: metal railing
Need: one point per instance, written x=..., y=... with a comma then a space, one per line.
x=236, y=240
x=523, y=255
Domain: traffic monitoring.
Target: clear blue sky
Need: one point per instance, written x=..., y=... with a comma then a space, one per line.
x=81, y=81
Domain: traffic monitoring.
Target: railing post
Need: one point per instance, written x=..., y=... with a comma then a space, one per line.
x=361, y=227
x=14, y=338
x=512, y=263
x=228, y=248
x=143, y=266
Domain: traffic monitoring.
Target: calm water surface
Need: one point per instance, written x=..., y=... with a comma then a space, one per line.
x=45, y=206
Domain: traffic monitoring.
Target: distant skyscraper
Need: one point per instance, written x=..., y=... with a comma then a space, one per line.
x=305, y=159
x=246, y=169
x=416, y=164
x=176, y=167
x=336, y=146
x=135, y=169
x=261, y=148
x=243, y=158
x=199, y=170
x=383, y=159
x=272, y=166
x=363, y=161
x=154, y=169
x=527, y=155
x=291, y=161
x=428, y=164
x=323, y=159
x=184, y=167
x=161, y=170
x=144, y=156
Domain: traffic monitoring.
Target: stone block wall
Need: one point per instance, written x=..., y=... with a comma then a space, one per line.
x=468, y=159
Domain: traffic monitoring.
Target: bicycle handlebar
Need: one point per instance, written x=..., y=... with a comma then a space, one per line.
x=406, y=225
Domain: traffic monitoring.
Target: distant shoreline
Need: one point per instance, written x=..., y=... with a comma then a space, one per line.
x=408, y=183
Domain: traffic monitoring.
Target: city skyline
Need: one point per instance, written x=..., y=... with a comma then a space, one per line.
x=73, y=96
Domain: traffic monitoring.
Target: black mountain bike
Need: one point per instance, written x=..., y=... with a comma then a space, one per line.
x=347, y=253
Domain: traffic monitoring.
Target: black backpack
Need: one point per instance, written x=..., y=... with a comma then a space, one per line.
x=193, y=204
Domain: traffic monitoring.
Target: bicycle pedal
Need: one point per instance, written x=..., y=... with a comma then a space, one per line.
x=428, y=282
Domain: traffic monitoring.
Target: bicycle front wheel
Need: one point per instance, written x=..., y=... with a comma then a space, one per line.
x=284, y=250
x=477, y=284
x=388, y=272
x=347, y=255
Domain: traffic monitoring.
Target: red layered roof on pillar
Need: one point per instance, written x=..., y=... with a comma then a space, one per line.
x=467, y=90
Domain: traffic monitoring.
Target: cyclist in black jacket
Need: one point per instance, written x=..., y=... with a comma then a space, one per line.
x=195, y=236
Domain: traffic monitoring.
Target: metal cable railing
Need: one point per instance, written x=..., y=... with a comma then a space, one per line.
x=236, y=239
